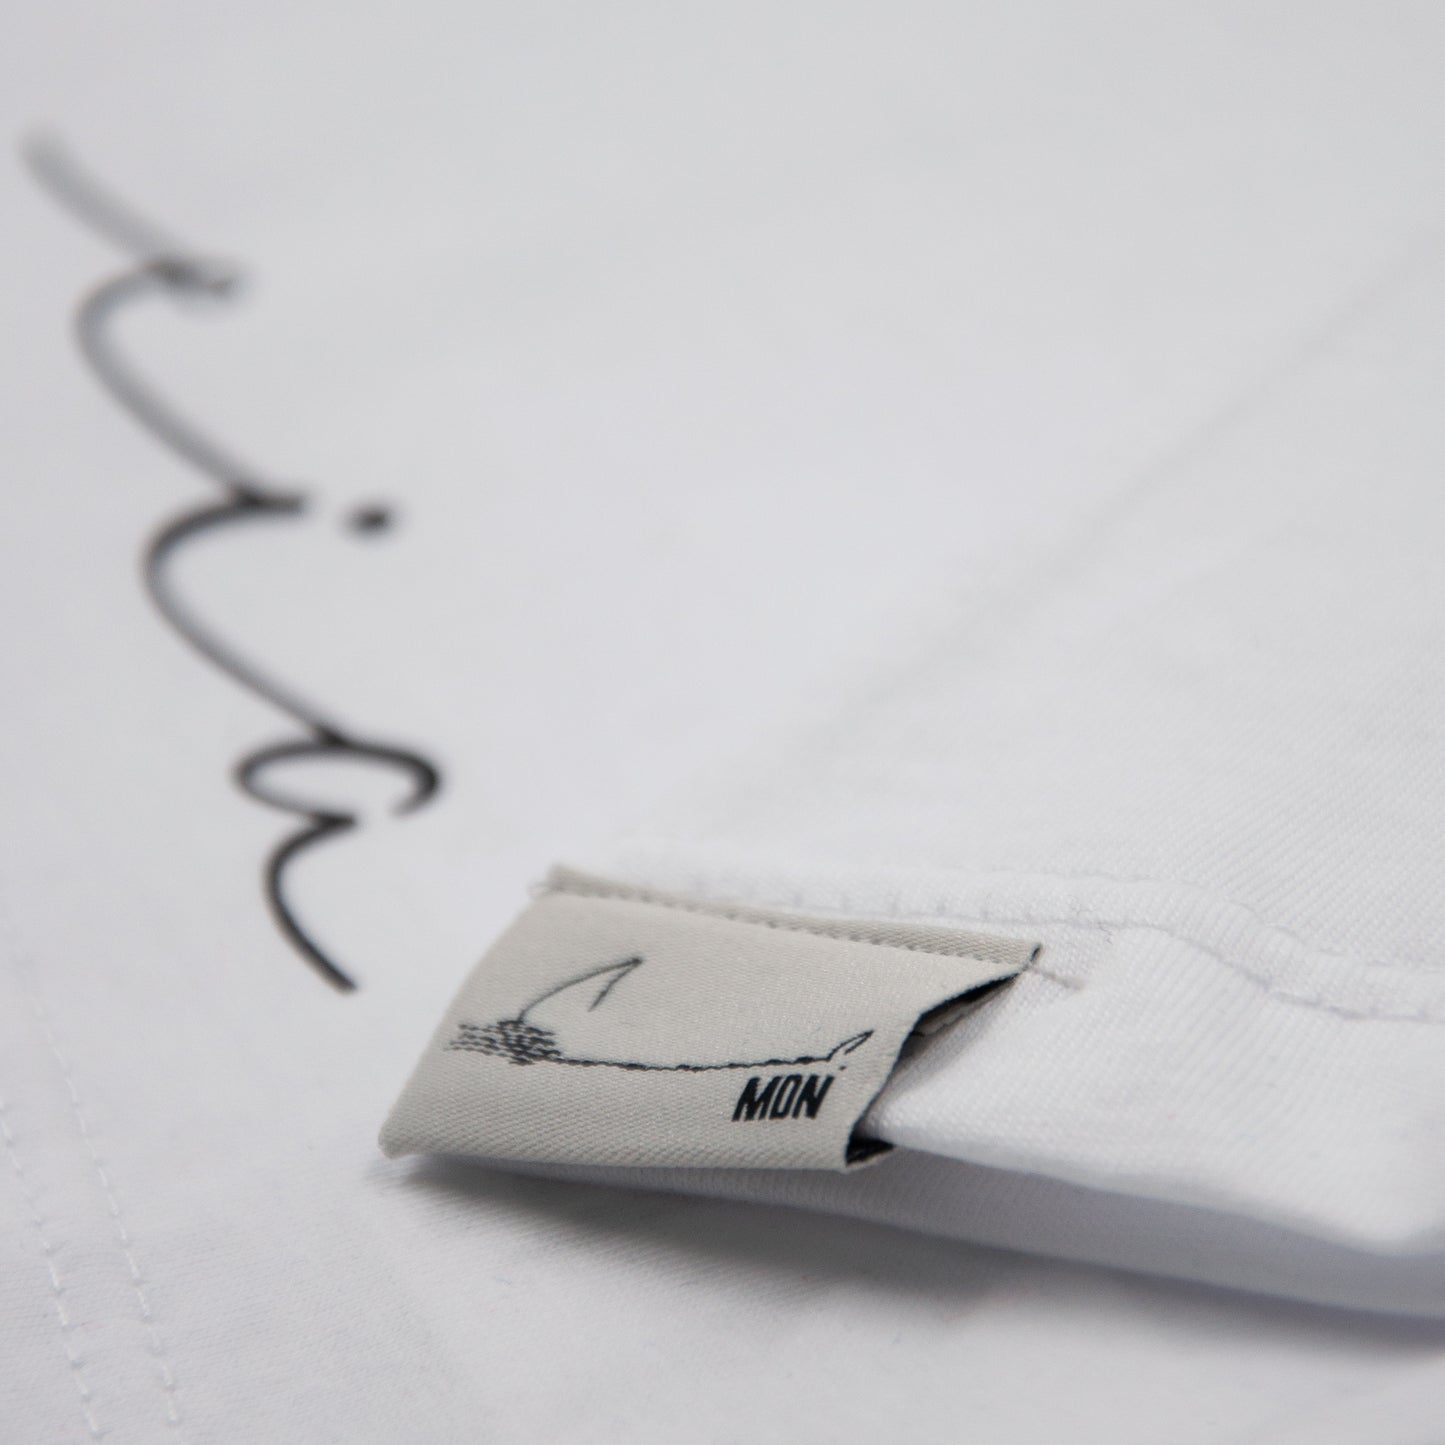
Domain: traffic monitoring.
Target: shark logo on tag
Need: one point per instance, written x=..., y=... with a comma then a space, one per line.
x=609, y=1028
x=538, y=1035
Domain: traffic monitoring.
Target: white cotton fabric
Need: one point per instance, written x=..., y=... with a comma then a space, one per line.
x=1199, y=750
x=718, y=361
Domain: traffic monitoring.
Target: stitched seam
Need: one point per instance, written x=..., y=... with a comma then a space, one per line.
x=155, y=1344
x=1406, y=963
x=57, y=1286
x=740, y=915
x=1267, y=985
x=1074, y=985
x=1422, y=1015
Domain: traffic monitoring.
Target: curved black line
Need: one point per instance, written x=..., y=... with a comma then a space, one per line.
x=424, y=778
x=323, y=826
x=854, y=1041
x=522, y=1042
x=158, y=555
x=128, y=387
x=621, y=970
x=166, y=267
x=846, y=1047
x=92, y=202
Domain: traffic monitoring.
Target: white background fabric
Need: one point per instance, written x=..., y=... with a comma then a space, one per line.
x=1201, y=755
x=705, y=355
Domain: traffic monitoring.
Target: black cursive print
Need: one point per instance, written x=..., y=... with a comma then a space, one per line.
x=162, y=266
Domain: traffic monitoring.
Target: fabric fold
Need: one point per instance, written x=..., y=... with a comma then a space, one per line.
x=1200, y=754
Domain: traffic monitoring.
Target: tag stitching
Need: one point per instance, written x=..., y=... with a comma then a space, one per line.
x=570, y=884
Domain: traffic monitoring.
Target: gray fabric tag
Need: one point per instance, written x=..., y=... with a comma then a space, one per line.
x=612, y=1026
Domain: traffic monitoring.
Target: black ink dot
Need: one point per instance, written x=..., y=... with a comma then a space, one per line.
x=370, y=520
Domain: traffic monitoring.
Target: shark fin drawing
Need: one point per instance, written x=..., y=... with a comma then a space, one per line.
x=534, y=1035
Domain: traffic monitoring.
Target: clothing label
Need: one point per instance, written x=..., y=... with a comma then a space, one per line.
x=612, y=1026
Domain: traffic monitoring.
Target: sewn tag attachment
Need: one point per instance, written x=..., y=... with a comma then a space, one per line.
x=614, y=1026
